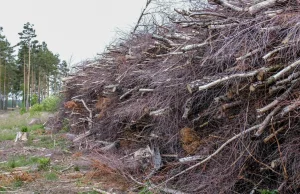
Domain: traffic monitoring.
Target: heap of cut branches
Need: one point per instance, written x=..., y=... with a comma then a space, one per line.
x=211, y=106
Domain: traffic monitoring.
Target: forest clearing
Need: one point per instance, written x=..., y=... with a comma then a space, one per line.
x=199, y=98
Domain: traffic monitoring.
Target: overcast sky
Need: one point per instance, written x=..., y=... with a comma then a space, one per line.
x=78, y=28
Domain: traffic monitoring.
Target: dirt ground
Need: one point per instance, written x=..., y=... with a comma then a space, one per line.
x=68, y=171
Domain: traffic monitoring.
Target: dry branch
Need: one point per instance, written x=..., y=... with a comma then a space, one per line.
x=277, y=100
x=263, y=5
x=283, y=72
x=229, y=5
x=199, y=84
x=266, y=122
x=90, y=116
x=213, y=154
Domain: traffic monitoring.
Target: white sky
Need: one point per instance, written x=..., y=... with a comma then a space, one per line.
x=78, y=28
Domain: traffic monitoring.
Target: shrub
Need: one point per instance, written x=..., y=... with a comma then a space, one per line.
x=51, y=176
x=24, y=129
x=22, y=110
x=43, y=163
x=266, y=191
x=34, y=99
x=51, y=103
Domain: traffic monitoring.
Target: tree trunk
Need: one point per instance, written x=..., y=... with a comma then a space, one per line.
x=24, y=89
x=28, y=86
x=1, y=101
x=48, y=86
x=4, y=89
x=39, y=87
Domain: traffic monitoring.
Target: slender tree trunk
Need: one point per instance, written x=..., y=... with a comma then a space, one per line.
x=39, y=86
x=48, y=86
x=28, y=86
x=55, y=84
x=24, y=89
x=32, y=81
x=1, y=100
x=4, y=88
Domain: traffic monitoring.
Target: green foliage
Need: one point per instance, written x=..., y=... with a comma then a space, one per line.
x=51, y=103
x=44, y=163
x=7, y=135
x=51, y=176
x=17, y=183
x=76, y=168
x=34, y=99
x=24, y=129
x=89, y=192
x=65, y=125
x=35, y=127
x=22, y=110
x=35, y=109
x=2, y=189
x=12, y=163
x=145, y=190
x=267, y=191
x=18, y=161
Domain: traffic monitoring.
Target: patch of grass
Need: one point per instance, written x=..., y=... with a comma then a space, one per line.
x=7, y=135
x=24, y=129
x=45, y=141
x=35, y=127
x=10, y=120
x=17, y=183
x=2, y=189
x=51, y=176
x=76, y=168
x=18, y=161
x=89, y=192
x=267, y=191
x=145, y=190
x=43, y=163
x=57, y=167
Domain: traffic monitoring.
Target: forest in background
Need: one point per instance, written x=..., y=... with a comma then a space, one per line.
x=29, y=70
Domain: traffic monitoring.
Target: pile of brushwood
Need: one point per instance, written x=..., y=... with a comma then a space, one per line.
x=211, y=105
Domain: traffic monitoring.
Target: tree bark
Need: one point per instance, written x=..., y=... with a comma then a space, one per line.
x=39, y=87
x=28, y=80
x=1, y=101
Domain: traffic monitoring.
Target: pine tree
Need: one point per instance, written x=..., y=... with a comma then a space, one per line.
x=27, y=36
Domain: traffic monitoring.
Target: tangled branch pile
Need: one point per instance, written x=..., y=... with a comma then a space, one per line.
x=210, y=106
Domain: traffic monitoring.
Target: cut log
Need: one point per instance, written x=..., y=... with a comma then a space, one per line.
x=21, y=136
x=82, y=136
x=229, y=5
x=279, y=99
x=290, y=108
x=187, y=108
x=194, y=46
x=289, y=79
x=249, y=54
x=192, y=158
x=199, y=83
x=158, y=112
x=276, y=89
x=230, y=105
x=265, y=123
x=283, y=72
x=168, y=42
x=263, y=5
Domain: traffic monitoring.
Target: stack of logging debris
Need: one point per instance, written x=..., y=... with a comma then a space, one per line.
x=210, y=107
